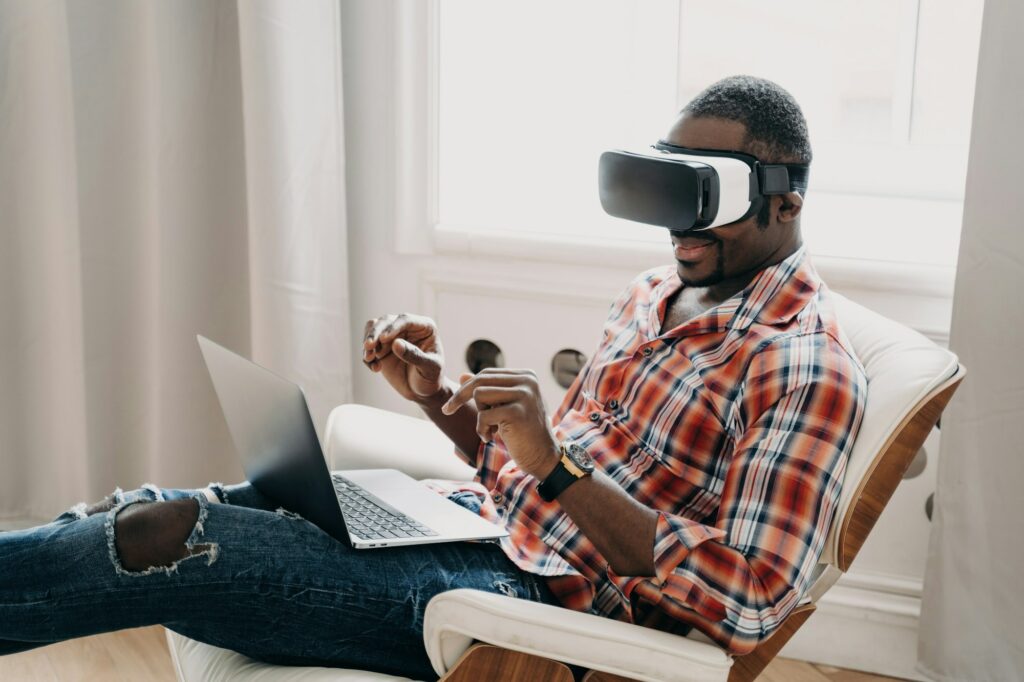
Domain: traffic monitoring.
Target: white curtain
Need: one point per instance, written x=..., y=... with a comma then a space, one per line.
x=971, y=626
x=167, y=168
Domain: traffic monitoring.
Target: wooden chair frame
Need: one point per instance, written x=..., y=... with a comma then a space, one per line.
x=487, y=662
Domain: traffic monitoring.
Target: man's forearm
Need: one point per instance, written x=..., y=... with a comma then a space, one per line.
x=621, y=528
x=459, y=427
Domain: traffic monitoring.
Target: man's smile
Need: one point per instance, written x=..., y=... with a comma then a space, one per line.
x=691, y=249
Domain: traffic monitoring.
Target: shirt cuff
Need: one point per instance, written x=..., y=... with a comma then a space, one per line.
x=490, y=457
x=674, y=538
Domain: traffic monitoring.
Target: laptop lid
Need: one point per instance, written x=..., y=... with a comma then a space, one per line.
x=274, y=434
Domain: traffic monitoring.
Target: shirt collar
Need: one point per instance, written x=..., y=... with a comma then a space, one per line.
x=778, y=293
x=774, y=296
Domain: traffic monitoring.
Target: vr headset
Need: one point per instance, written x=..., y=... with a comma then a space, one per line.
x=691, y=189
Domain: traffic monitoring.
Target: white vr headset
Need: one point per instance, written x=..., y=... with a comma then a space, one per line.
x=691, y=189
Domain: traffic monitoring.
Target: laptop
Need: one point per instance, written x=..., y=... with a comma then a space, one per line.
x=273, y=432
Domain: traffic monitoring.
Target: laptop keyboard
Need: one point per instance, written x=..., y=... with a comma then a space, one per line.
x=372, y=519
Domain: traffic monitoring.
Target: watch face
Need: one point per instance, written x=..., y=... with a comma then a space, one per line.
x=580, y=457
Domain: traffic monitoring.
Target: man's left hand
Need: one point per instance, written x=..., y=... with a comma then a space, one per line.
x=508, y=403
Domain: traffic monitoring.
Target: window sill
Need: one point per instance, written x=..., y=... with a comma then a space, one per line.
x=915, y=279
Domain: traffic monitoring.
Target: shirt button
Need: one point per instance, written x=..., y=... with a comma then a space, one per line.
x=613, y=404
x=595, y=416
x=647, y=352
x=497, y=497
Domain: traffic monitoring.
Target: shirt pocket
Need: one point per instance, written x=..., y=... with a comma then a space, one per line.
x=655, y=478
x=678, y=489
x=687, y=439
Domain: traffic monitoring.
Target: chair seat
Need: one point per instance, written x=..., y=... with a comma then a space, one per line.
x=195, y=661
x=456, y=618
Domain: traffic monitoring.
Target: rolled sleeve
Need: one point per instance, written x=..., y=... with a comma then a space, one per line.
x=675, y=537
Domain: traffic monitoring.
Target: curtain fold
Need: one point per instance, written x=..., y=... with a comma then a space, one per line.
x=140, y=204
x=970, y=627
x=295, y=176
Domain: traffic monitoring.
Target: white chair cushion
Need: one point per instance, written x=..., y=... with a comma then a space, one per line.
x=198, y=662
x=457, y=617
x=364, y=437
x=902, y=367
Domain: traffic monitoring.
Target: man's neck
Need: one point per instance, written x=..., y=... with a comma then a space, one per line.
x=725, y=289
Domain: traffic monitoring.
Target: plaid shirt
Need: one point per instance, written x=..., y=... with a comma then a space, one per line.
x=734, y=426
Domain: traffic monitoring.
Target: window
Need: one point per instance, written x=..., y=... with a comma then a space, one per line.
x=531, y=92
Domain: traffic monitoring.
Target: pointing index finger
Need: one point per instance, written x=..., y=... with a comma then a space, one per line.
x=461, y=395
x=465, y=391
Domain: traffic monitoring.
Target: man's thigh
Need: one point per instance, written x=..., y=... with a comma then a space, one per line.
x=282, y=590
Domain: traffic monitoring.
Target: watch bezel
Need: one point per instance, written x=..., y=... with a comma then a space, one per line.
x=579, y=456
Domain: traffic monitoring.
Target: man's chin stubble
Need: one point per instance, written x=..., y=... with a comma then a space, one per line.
x=714, y=278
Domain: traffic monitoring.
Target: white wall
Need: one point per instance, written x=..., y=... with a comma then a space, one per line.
x=536, y=299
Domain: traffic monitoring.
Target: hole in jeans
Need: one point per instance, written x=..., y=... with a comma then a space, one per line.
x=162, y=524
x=281, y=511
x=505, y=588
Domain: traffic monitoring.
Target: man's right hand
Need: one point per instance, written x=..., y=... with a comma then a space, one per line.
x=406, y=349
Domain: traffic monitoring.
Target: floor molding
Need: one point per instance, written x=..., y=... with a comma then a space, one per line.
x=865, y=622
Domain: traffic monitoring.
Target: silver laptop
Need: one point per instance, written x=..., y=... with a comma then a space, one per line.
x=281, y=455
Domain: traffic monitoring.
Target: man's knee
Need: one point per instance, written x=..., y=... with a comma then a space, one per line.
x=154, y=534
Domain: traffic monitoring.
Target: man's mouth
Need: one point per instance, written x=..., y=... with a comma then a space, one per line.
x=691, y=248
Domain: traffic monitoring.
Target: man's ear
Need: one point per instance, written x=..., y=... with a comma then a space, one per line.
x=789, y=207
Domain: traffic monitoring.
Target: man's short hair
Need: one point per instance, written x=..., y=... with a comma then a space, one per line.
x=776, y=127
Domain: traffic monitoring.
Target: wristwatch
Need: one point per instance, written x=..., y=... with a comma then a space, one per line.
x=575, y=464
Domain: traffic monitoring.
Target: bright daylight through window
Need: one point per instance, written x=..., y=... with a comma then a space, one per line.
x=532, y=92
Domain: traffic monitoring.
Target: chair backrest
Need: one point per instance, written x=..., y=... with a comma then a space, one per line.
x=910, y=381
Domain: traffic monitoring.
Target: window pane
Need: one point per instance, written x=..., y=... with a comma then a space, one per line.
x=886, y=85
x=947, y=61
x=532, y=92
x=845, y=63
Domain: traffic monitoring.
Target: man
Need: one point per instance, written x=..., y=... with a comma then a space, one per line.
x=718, y=412
x=720, y=408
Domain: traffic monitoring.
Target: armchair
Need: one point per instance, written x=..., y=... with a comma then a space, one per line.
x=473, y=635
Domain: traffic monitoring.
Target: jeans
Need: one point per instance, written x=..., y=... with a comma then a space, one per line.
x=261, y=581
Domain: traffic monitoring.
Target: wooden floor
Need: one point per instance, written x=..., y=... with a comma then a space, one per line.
x=141, y=654
x=125, y=656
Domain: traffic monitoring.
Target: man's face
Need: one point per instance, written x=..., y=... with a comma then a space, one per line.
x=712, y=256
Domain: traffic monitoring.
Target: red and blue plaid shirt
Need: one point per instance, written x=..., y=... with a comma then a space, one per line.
x=734, y=426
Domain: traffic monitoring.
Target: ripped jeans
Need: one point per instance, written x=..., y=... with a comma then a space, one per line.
x=260, y=581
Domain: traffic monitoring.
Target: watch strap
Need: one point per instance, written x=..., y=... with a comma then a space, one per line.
x=558, y=480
